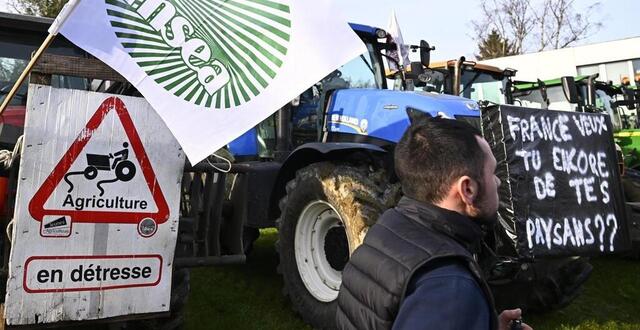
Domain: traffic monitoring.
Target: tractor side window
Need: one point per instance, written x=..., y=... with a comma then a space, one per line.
x=360, y=72
x=304, y=116
x=267, y=137
x=363, y=71
x=603, y=102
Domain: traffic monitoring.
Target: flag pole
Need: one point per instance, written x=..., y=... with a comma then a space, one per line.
x=53, y=32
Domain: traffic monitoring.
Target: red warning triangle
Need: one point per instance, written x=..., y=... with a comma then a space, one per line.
x=36, y=206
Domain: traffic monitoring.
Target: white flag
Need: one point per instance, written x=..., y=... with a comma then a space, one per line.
x=213, y=69
x=402, y=52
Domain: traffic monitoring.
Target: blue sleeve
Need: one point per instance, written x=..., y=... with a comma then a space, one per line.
x=447, y=297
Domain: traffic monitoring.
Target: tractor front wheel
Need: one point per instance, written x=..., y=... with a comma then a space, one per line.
x=324, y=217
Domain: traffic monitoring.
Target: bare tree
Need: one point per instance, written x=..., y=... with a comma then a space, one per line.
x=536, y=24
x=510, y=18
x=560, y=26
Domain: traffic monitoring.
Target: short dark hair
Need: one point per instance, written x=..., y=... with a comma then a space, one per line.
x=433, y=153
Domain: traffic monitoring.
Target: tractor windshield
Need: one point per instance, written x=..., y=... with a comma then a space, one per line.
x=532, y=98
x=482, y=86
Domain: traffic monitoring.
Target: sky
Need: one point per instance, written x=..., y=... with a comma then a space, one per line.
x=446, y=24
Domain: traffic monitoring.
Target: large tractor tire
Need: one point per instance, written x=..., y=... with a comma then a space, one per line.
x=324, y=216
x=544, y=286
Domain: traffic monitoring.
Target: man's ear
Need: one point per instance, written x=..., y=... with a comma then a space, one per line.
x=467, y=189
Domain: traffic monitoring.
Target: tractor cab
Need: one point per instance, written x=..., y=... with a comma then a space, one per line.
x=475, y=81
x=355, y=102
x=582, y=94
x=549, y=94
x=304, y=116
x=363, y=72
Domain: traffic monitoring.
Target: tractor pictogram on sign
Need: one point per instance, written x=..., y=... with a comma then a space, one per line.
x=124, y=169
x=119, y=164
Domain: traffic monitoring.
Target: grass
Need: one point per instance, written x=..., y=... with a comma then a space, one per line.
x=249, y=297
x=245, y=296
x=611, y=300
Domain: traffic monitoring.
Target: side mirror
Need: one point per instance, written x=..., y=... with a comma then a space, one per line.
x=508, y=91
x=425, y=53
x=570, y=90
x=416, y=69
x=543, y=92
x=629, y=97
x=591, y=90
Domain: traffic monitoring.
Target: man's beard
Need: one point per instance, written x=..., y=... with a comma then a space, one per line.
x=481, y=216
x=488, y=220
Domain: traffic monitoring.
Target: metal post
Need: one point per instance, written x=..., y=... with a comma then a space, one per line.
x=283, y=138
x=457, y=72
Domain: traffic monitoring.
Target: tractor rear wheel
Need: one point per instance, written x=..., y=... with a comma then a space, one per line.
x=545, y=286
x=325, y=216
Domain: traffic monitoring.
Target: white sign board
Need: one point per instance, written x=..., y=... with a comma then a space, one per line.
x=96, y=212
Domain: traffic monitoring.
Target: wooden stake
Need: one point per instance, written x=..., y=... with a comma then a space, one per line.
x=25, y=73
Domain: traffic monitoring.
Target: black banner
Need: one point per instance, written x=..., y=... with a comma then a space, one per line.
x=561, y=193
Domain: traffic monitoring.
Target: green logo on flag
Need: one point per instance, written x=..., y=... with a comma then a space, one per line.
x=213, y=53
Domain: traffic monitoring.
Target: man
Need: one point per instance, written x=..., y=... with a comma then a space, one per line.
x=417, y=267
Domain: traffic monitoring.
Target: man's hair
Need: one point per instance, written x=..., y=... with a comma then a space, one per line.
x=433, y=153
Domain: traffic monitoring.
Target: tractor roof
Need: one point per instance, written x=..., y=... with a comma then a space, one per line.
x=608, y=88
x=525, y=85
x=477, y=66
x=20, y=35
x=365, y=31
x=24, y=22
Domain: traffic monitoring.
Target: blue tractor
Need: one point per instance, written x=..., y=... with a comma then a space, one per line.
x=321, y=171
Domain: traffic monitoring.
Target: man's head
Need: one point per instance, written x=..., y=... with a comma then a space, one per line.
x=447, y=163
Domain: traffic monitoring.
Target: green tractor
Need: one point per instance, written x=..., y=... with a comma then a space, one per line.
x=628, y=138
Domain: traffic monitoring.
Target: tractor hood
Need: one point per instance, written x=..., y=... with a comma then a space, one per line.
x=383, y=114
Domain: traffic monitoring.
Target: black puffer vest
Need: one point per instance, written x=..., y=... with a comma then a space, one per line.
x=406, y=238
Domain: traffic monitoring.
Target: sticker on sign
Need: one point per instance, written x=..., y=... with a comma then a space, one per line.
x=55, y=226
